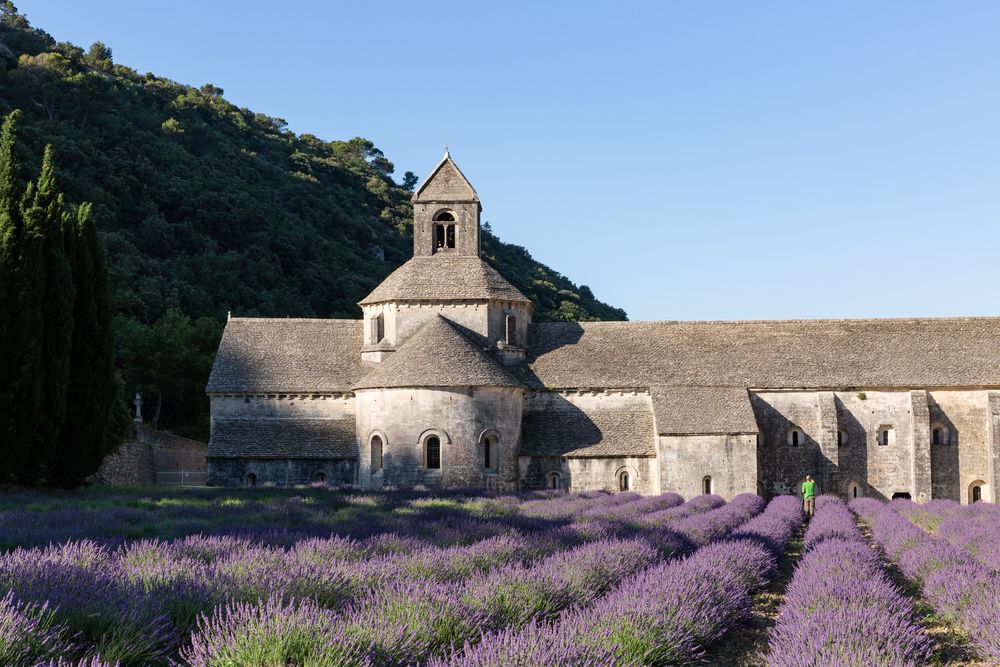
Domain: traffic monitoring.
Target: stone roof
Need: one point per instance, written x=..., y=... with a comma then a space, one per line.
x=446, y=183
x=283, y=438
x=445, y=277
x=569, y=431
x=438, y=355
x=259, y=355
x=795, y=354
x=686, y=410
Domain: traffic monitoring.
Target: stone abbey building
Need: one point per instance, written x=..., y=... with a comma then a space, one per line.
x=445, y=381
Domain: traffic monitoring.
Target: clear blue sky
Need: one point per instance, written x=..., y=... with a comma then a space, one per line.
x=687, y=160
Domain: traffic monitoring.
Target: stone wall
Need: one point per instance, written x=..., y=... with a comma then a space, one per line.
x=860, y=459
x=728, y=461
x=961, y=456
x=589, y=473
x=459, y=418
x=155, y=457
x=280, y=472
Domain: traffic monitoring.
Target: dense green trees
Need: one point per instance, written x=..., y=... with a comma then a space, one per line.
x=60, y=397
x=205, y=208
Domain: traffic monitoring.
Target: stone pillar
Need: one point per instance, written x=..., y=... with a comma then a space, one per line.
x=829, y=469
x=992, y=446
x=921, y=439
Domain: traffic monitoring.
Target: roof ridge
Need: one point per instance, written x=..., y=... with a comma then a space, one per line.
x=817, y=320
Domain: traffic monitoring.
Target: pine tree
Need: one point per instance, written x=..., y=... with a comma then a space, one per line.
x=56, y=308
x=89, y=431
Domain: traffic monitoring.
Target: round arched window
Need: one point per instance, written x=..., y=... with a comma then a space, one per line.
x=251, y=479
x=319, y=477
x=432, y=453
x=623, y=481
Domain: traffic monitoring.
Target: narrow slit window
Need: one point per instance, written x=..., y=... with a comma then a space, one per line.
x=623, y=482
x=795, y=438
x=706, y=485
x=376, y=453
x=487, y=460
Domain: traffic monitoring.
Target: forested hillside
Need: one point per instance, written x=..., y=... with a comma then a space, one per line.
x=205, y=208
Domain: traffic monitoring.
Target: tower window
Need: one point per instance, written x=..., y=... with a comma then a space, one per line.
x=510, y=329
x=376, y=445
x=438, y=237
x=450, y=237
x=376, y=329
x=445, y=216
x=432, y=453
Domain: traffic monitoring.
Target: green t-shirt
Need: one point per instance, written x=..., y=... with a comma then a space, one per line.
x=808, y=489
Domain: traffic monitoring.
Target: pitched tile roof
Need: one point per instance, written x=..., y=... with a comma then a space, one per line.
x=260, y=355
x=570, y=431
x=703, y=410
x=438, y=355
x=806, y=354
x=444, y=276
x=283, y=438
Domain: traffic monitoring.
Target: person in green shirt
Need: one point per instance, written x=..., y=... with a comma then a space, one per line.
x=809, y=495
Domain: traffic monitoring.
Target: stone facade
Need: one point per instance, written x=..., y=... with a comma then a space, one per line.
x=445, y=381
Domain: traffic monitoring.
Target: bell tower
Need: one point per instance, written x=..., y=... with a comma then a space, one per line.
x=446, y=212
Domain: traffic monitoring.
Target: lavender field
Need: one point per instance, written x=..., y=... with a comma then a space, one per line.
x=317, y=577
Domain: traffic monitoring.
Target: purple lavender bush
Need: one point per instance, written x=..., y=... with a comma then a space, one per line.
x=663, y=615
x=841, y=607
x=960, y=588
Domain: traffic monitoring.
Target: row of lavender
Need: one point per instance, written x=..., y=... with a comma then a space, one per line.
x=133, y=604
x=974, y=528
x=841, y=607
x=408, y=622
x=959, y=587
x=664, y=615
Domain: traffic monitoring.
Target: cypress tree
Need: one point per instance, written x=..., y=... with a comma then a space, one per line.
x=24, y=288
x=9, y=234
x=89, y=431
x=56, y=308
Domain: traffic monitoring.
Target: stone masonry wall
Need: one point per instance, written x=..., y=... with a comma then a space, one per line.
x=155, y=457
x=404, y=418
x=730, y=461
x=962, y=454
x=589, y=474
